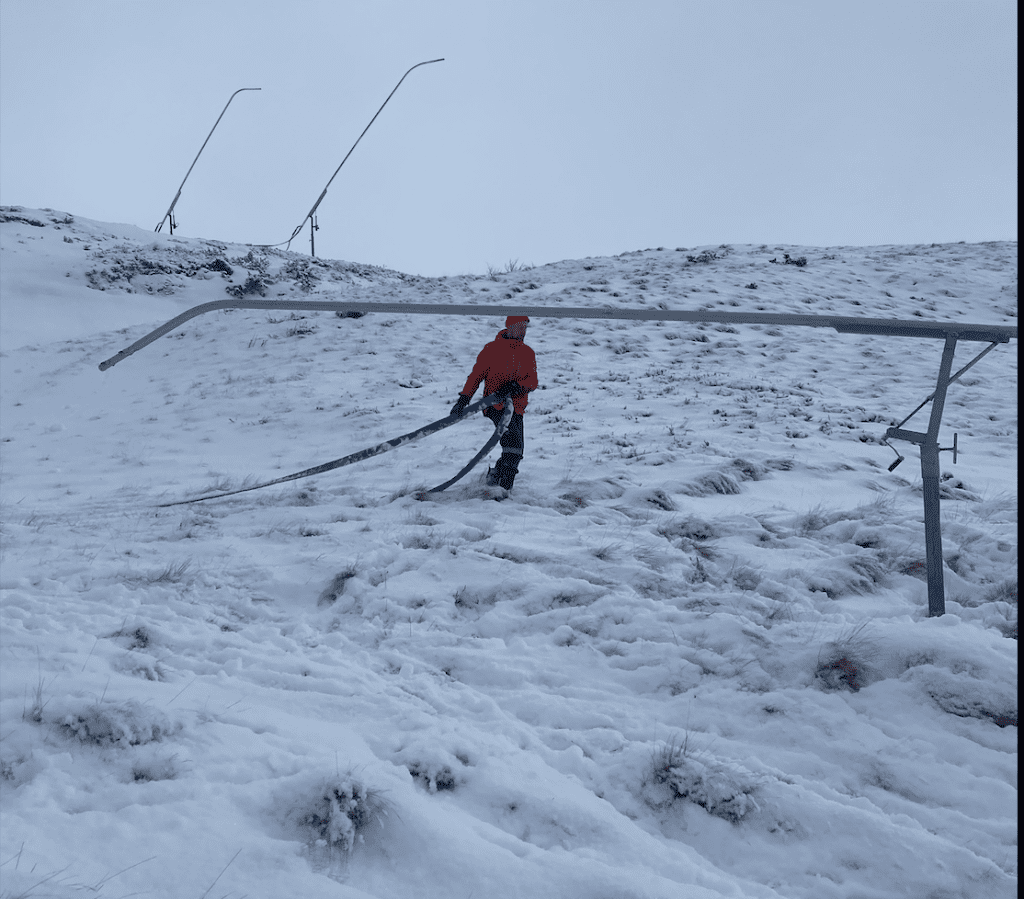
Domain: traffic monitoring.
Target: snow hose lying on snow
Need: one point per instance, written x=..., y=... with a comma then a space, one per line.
x=499, y=429
x=438, y=425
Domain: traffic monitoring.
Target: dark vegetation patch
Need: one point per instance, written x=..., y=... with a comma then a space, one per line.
x=125, y=724
x=336, y=587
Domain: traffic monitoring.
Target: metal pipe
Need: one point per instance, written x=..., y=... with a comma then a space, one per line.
x=323, y=193
x=170, y=209
x=880, y=326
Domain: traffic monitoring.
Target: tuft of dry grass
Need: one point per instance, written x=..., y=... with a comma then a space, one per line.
x=845, y=663
x=336, y=587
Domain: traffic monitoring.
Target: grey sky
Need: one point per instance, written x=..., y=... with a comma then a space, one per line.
x=552, y=130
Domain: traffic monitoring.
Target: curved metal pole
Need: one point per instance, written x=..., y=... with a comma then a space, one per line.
x=882, y=327
x=323, y=193
x=170, y=209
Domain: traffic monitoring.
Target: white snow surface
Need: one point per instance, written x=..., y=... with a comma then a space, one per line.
x=689, y=656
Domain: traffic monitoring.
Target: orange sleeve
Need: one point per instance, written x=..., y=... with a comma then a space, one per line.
x=478, y=374
x=531, y=382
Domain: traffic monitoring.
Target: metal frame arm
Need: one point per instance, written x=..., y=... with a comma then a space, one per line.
x=889, y=327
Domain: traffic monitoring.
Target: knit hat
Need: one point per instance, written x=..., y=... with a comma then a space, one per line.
x=513, y=319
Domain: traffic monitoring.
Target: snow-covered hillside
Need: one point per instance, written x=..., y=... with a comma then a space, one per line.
x=688, y=657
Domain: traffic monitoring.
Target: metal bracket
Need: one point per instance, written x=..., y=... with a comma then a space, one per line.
x=899, y=457
x=953, y=448
x=914, y=437
x=909, y=436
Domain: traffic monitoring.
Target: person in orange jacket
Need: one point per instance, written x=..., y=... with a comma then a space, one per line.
x=509, y=366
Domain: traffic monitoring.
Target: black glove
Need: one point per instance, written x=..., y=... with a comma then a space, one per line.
x=460, y=405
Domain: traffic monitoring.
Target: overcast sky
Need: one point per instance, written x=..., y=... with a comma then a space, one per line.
x=552, y=130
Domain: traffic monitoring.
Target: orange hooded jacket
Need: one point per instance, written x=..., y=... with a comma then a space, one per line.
x=503, y=360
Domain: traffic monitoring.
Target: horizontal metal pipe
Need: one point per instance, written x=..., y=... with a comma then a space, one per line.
x=845, y=325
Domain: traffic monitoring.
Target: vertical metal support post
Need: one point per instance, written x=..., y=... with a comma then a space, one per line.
x=930, y=484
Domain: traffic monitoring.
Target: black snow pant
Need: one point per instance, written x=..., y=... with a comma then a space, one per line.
x=512, y=443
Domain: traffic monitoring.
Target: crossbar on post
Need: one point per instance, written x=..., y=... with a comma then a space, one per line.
x=889, y=327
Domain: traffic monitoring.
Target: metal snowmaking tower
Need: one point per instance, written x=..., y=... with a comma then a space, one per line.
x=170, y=209
x=928, y=441
x=311, y=215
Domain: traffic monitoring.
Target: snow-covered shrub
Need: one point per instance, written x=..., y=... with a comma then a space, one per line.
x=700, y=573
x=146, y=770
x=302, y=273
x=719, y=482
x=1004, y=591
x=301, y=330
x=35, y=712
x=691, y=527
x=139, y=665
x=333, y=816
x=125, y=724
x=749, y=471
x=703, y=259
x=170, y=574
x=436, y=759
x=607, y=551
x=722, y=788
x=813, y=521
x=965, y=695
x=467, y=598
x=580, y=494
x=660, y=500
x=952, y=487
x=432, y=539
x=219, y=264
x=430, y=769
x=745, y=577
x=858, y=573
x=336, y=587
x=252, y=260
x=847, y=663
x=435, y=780
x=253, y=284
x=999, y=603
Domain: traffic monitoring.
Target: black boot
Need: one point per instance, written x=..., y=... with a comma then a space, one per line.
x=506, y=470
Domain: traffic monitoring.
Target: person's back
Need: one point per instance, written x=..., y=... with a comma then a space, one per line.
x=509, y=366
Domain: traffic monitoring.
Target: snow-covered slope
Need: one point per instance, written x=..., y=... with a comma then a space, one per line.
x=690, y=656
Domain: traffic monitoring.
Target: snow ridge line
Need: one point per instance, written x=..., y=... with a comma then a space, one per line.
x=842, y=324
